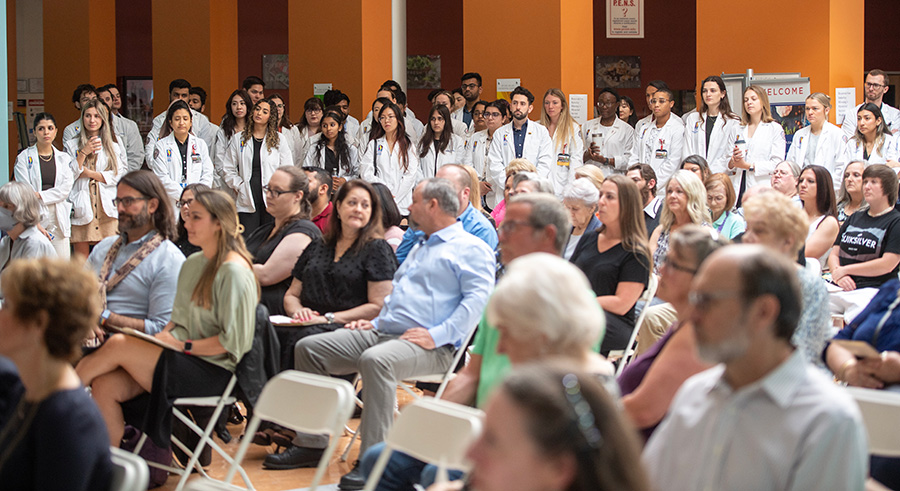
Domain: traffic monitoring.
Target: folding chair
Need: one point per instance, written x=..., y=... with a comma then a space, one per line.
x=219, y=403
x=209, y=485
x=628, y=353
x=303, y=402
x=437, y=378
x=451, y=429
x=880, y=411
x=130, y=472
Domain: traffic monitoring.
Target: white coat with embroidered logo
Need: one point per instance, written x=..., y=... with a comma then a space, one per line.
x=537, y=149
x=721, y=141
x=829, y=151
x=615, y=142
x=238, y=168
x=380, y=163
x=661, y=148
x=167, y=165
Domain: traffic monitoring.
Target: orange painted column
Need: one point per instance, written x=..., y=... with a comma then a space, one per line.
x=196, y=41
x=79, y=48
x=828, y=49
x=559, y=52
x=352, y=51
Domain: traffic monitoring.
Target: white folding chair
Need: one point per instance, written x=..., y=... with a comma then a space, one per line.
x=219, y=403
x=434, y=431
x=442, y=379
x=647, y=296
x=130, y=471
x=303, y=402
x=880, y=412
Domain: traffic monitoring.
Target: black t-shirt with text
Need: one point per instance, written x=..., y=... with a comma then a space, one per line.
x=864, y=238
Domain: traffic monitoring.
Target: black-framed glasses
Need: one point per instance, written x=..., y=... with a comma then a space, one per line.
x=488, y=114
x=128, y=200
x=701, y=300
x=669, y=263
x=274, y=192
x=875, y=86
x=508, y=226
x=184, y=202
x=468, y=86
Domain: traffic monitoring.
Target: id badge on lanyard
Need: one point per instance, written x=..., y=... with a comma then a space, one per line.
x=562, y=160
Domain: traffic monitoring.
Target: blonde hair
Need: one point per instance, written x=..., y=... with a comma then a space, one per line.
x=272, y=136
x=779, y=213
x=519, y=165
x=591, y=173
x=696, y=206
x=107, y=139
x=565, y=128
x=561, y=306
x=821, y=98
x=221, y=208
x=475, y=188
x=764, y=102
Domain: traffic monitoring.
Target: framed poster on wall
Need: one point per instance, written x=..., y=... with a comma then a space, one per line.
x=625, y=18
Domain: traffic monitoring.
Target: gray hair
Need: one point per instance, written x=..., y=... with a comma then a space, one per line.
x=582, y=190
x=546, y=210
x=795, y=169
x=444, y=192
x=561, y=306
x=21, y=195
x=541, y=185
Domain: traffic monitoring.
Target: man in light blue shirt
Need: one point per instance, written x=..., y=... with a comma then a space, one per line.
x=143, y=299
x=438, y=296
x=473, y=221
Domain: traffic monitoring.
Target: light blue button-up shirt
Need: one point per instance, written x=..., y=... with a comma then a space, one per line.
x=473, y=221
x=443, y=286
x=148, y=292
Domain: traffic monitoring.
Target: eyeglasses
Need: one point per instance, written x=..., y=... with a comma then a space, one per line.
x=184, y=202
x=700, y=300
x=669, y=263
x=477, y=114
x=658, y=101
x=609, y=104
x=874, y=86
x=491, y=114
x=469, y=86
x=128, y=200
x=387, y=117
x=313, y=110
x=274, y=192
x=508, y=226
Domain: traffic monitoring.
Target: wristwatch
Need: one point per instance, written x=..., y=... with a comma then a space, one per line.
x=104, y=316
x=188, y=345
x=329, y=317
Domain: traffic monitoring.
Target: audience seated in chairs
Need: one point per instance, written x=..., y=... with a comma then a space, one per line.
x=764, y=417
x=55, y=437
x=438, y=294
x=139, y=268
x=212, y=327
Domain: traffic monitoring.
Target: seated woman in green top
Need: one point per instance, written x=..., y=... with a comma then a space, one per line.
x=211, y=329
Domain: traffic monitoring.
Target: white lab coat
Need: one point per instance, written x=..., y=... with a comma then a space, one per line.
x=476, y=156
x=721, y=141
x=71, y=130
x=107, y=189
x=316, y=158
x=687, y=115
x=74, y=129
x=294, y=141
x=167, y=165
x=351, y=126
x=55, y=199
x=764, y=151
x=569, y=157
x=217, y=153
x=432, y=161
x=830, y=152
x=238, y=168
x=362, y=136
x=131, y=137
x=891, y=119
x=457, y=117
x=615, y=143
x=661, y=148
x=890, y=150
x=538, y=149
x=380, y=164
x=200, y=126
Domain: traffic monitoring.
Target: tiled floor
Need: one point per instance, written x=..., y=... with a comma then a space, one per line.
x=266, y=480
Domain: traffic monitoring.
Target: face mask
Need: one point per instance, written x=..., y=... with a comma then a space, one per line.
x=7, y=222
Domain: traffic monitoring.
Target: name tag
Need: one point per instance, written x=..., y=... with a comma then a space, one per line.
x=662, y=154
x=562, y=160
x=195, y=158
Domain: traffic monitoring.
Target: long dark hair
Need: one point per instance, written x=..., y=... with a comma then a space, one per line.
x=273, y=138
x=372, y=230
x=825, y=200
x=194, y=188
x=167, y=124
x=632, y=118
x=311, y=103
x=428, y=138
x=402, y=137
x=632, y=227
x=229, y=121
x=390, y=214
x=341, y=148
x=146, y=183
x=285, y=121
x=724, y=106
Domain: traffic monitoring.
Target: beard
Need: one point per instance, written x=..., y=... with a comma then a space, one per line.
x=129, y=221
x=725, y=351
x=519, y=115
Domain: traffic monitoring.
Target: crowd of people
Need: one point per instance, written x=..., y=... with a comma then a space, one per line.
x=392, y=243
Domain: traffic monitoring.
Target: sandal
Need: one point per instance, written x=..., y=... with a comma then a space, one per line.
x=283, y=437
x=264, y=437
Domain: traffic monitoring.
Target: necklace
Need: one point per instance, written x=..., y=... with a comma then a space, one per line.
x=880, y=212
x=46, y=158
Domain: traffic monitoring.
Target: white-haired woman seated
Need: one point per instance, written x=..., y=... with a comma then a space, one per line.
x=20, y=213
x=580, y=199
